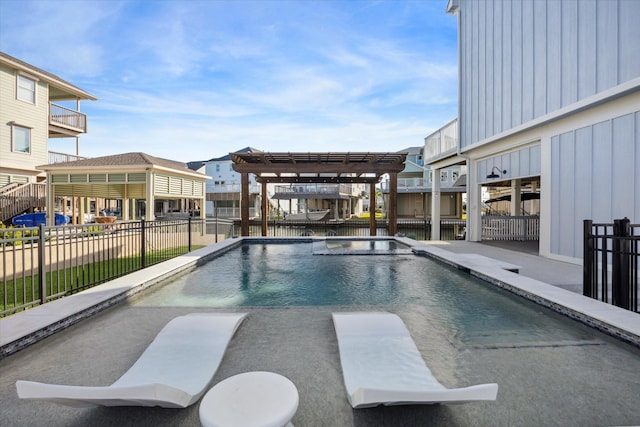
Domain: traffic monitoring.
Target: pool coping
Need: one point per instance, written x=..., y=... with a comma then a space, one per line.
x=22, y=329
x=615, y=321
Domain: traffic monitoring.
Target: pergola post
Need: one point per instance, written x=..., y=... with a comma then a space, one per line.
x=393, y=202
x=264, y=209
x=372, y=209
x=244, y=204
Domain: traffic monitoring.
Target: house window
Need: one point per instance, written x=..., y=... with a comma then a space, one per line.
x=444, y=175
x=454, y=175
x=218, y=168
x=26, y=89
x=430, y=176
x=21, y=139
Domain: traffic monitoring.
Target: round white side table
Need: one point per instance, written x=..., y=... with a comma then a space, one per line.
x=250, y=399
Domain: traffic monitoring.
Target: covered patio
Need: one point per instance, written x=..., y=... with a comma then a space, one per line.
x=147, y=186
x=326, y=168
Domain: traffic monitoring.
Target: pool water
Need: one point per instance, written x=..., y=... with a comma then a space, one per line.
x=475, y=313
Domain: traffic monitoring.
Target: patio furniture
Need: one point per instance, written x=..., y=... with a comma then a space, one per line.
x=250, y=399
x=173, y=372
x=381, y=365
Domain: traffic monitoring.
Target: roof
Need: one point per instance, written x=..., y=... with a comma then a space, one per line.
x=413, y=151
x=67, y=90
x=318, y=167
x=125, y=160
x=228, y=156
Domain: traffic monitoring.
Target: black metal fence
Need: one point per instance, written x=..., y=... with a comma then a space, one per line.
x=39, y=264
x=610, y=265
x=415, y=229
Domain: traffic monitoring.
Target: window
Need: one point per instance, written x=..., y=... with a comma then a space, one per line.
x=444, y=175
x=430, y=176
x=21, y=139
x=454, y=175
x=218, y=168
x=26, y=89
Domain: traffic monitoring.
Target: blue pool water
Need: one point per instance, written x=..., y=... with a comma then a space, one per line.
x=477, y=314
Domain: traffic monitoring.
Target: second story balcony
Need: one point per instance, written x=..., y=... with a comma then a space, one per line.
x=314, y=191
x=442, y=143
x=65, y=122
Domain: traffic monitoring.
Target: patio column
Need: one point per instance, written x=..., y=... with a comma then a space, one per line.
x=150, y=212
x=435, y=205
x=474, y=203
x=50, y=202
x=244, y=204
x=373, y=202
x=264, y=209
x=516, y=199
x=393, y=203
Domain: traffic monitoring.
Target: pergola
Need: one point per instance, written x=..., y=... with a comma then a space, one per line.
x=331, y=168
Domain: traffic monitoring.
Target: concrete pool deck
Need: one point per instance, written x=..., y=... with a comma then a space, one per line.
x=300, y=343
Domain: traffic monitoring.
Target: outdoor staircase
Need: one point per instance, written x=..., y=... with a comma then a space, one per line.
x=16, y=198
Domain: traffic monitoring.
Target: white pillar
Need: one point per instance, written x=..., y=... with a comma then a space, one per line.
x=435, y=205
x=150, y=213
x=516, y=199
x=474, y=203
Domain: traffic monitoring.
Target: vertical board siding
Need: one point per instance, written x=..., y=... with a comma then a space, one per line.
x=593, y=170
x=522, y=163
x=523, y=59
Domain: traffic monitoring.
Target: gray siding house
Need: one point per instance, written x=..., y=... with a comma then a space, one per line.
x=549, y=101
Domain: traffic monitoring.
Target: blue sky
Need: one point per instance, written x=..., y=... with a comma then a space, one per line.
x=196, y=79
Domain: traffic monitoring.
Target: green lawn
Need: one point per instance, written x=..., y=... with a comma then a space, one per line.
x=72, y=279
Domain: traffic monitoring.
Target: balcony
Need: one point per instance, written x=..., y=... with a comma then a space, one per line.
x=314, y=191
x=442, y=143
x=55, y=157
x=65, y=123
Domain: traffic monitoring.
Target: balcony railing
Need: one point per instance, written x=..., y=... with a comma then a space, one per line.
x=443, y=142
x=55, y=157
x=305, y=190
x=66, y=118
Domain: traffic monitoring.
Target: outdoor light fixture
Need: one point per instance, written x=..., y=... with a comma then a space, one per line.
x=494, y=175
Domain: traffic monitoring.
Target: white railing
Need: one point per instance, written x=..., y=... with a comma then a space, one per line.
x=67, y=118
x=510, y=227
x=55, y=157
x=442, y=141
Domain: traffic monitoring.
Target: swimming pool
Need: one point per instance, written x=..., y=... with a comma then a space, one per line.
x=469, y=310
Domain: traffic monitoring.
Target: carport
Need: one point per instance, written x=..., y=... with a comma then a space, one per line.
x=129, y=177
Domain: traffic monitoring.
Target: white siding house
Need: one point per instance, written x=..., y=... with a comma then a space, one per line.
x=549, y=98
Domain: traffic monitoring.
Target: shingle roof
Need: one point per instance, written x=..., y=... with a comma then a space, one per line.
x=228, y=156
x=125, y=159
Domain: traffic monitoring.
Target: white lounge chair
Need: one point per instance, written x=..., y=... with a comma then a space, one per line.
x=173, y=372
x=381, y=365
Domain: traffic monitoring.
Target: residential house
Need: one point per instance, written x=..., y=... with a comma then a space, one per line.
x=549, y=101
x=415, y=186
x=36, y=108
x=223, y=189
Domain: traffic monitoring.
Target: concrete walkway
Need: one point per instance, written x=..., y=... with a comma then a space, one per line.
x=524, y=255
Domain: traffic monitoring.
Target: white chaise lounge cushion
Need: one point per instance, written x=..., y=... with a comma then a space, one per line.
x=173, y=372
x=381, y=365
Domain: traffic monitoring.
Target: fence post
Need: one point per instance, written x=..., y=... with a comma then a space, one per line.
x=42, y=271
x=143, y=247
x=620, y=276
x=587, y=259
x=189, y=235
